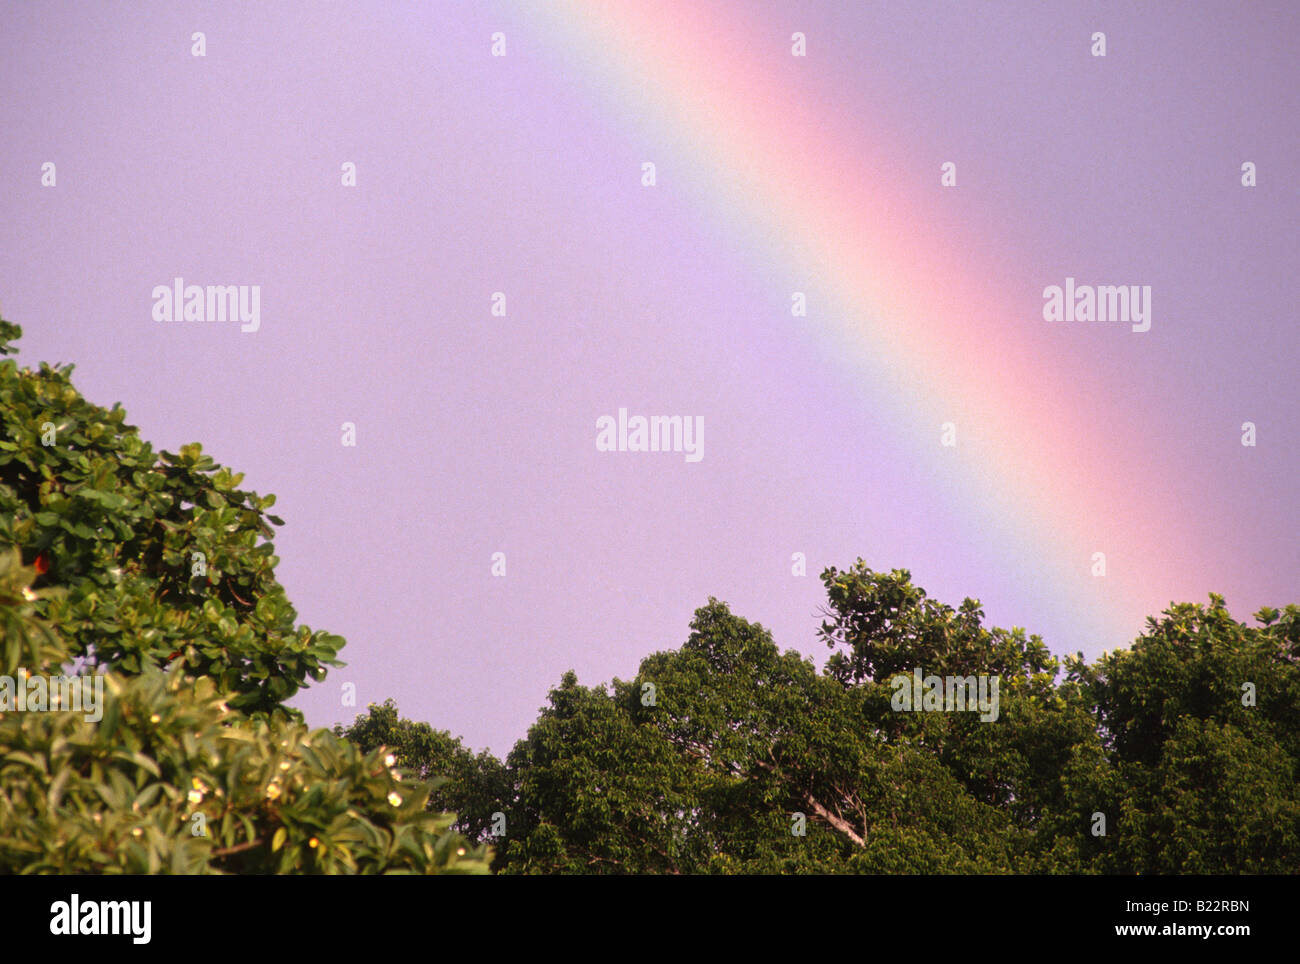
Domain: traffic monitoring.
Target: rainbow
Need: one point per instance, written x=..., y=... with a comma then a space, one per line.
x=1040, y=476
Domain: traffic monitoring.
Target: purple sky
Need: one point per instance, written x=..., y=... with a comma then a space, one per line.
x=476, y=434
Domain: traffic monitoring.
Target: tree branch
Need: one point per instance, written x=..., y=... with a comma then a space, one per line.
x=238, y=848
x=836, y=821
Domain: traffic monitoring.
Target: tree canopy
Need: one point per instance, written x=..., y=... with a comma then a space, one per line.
x=150, y=578
x=728, y=756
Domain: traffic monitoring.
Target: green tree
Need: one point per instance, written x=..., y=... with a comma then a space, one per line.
x=162, y=558
x=474, y=787
x=1026, y=763
x=727, y=756
x=714, y=754
x=193, y=768
x=774, y=738
x=1201, y=724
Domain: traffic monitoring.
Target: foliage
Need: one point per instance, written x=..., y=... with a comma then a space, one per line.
x=198, y=767
x=723, y=756
x=703, y=762
x=472, y=787
x=120, y=794
x=1205, y=775
x=162, y=557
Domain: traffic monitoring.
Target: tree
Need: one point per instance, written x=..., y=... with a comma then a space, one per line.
x=197, y=767
x=773, y=739
x=162, y=558
x=1201, y=724
x=474, y=788
x=880, y=625
x=728, y=756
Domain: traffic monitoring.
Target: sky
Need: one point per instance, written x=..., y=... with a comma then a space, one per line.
x=861, y=331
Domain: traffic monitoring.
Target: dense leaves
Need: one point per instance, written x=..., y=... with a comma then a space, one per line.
x=717, y=755
x=165, y=777
x=162, y=556
x=1201, y=721
x=468, y=785
x=1180, y=754
x=174, y=752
